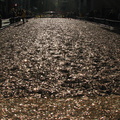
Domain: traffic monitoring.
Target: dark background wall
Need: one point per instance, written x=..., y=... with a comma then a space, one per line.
x=83, y=7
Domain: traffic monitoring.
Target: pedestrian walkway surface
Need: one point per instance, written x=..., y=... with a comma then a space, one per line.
x=57, y=59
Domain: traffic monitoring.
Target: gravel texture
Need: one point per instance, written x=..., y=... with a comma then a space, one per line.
x=57, y=58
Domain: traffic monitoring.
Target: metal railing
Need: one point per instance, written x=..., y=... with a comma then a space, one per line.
x=14, y=19
x=114, y=23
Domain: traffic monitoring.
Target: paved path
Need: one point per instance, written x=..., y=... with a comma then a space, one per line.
x=62, y=69
x=59, y=57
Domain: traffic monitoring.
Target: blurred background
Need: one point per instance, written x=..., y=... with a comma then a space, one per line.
x=93, y=8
